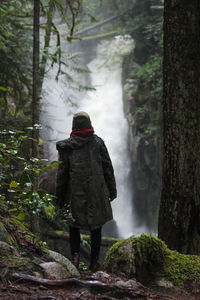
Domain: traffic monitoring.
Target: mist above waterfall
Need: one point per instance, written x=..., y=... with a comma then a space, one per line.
x=59, y=102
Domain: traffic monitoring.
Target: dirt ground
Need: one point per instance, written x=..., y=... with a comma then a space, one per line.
x=17, y=290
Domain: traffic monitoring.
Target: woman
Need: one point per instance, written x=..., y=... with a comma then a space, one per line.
x=85, y=184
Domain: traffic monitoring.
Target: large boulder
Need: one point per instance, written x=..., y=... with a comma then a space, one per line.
x=147, y=258
x=136, y=257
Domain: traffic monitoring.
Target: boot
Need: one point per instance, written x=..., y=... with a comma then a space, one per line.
x=94, y=265
x=75, y=259
x=95, y=249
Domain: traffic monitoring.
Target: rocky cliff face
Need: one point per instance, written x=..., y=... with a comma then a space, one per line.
x=145, y=147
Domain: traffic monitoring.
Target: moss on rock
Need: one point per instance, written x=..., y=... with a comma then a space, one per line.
x=120, y=258
x=180, y=268
x=12, y=263
x=152, y=260
x=21, y=251
x=21, y=237
x=150, y=254
x=4, y=235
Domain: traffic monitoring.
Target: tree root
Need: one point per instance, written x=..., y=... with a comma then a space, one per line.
x=111, y=290
x=95, y=285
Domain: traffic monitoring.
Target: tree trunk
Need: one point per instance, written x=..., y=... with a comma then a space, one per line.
x=47, y=38
x=36, y=76
x=179, y=217
x=36, y=98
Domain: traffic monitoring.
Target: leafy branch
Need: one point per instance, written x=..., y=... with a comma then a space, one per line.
x=16, y=173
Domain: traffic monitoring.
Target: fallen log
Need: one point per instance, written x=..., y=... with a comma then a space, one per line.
x=99, y=24
x=96, y=25
x=64, y=235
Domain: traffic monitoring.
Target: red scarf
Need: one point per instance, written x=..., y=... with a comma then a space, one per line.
x=82, y=132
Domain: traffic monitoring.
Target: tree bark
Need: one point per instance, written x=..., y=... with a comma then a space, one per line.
x=36, y=98
x=36, y=76
x=179, y=217
x=47, y=38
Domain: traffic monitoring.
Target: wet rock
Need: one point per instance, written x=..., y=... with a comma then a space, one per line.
x=128, y=284
x=145, y=146
x=164, y=283
x=101, y=275
x=54, y=270
x=59, y=258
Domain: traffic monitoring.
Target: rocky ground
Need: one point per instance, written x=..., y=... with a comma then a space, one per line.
x=95, y=286
x=28, y=270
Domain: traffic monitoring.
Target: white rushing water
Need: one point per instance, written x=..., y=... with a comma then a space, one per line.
x=105, y=107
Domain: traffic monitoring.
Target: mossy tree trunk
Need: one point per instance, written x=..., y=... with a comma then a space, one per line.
x=36, y=76
x=179, y=218
x=36, y=98
x=47, y=38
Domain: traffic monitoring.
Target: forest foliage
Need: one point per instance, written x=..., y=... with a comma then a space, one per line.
x=140, y=19
x=16, y=176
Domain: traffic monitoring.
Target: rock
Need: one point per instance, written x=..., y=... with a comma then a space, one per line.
x=64, y=261
x=54, y=270
x=137, y=257
x=12, y=261
x=130, y=87
x=4, y=235
x=123, y=284
x=151, y=261
x=37, y=260
x=121, y=259
x=145, y=144
x=164, y=283
x=129, y=284
x=101, y=275
x=37, y=274
x=5, y=249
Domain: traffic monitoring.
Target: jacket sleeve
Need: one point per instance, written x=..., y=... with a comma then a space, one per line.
x=62, y=179
x=108, y=172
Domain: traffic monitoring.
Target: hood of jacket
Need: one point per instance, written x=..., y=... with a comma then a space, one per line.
x=73, y=143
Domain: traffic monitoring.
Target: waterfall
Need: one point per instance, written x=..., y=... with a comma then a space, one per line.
x=105, y=107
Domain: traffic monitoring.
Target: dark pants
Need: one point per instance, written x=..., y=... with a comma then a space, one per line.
x=74, y=238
